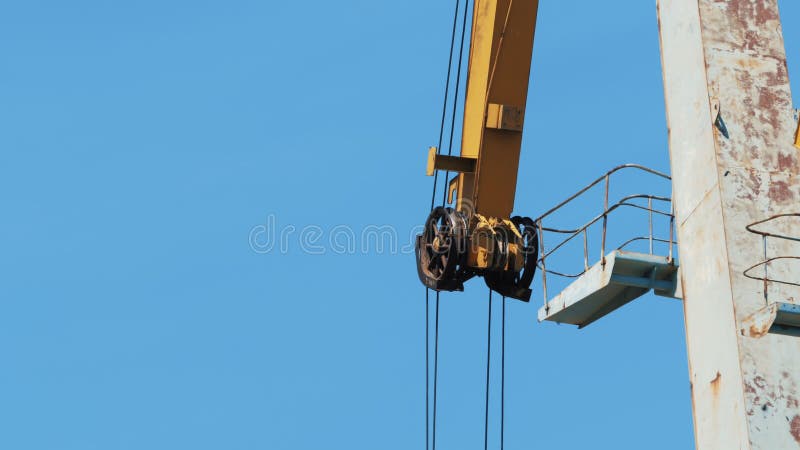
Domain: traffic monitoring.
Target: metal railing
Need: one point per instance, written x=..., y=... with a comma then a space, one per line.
x=769, y=260
x=631, y=201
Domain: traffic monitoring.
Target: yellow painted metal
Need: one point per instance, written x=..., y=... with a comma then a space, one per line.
x=484, y=237
x=431, y=168
x=797, y=136
x=452, y=189
x=494, y=113
x=448, y=163
x=499, y=69
x=482, y=245
x=502, y=117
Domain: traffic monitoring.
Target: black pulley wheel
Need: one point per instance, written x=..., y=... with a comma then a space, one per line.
x=440, y=250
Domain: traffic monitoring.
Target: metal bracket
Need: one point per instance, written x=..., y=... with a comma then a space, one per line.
x=776, y=318
x=504, y=117
x=449, y=163
x=452, y=188
x=716, y=110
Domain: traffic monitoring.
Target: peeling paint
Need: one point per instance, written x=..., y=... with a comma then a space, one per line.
x=786, y=162
x=794, y=428
x=780, y=192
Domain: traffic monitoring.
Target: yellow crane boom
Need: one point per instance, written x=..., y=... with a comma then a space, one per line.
x=478, y=236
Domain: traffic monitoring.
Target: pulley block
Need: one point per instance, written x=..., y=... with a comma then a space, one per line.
x=516, y=283
x=454, y=248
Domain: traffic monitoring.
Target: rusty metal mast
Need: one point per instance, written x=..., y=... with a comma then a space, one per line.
x=731, y=135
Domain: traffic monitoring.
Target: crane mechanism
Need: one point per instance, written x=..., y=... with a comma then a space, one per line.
x=478, y=236
x=734, y=216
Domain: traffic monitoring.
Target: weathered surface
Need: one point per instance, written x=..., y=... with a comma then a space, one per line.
x=727, y=58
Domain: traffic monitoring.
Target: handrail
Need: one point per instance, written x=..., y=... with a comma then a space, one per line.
x=765, y=278
x=751, y=227
x=765, y=235
x=622, y=202
x=598, y=180
x=645, y=238
x=597, y=219
x=621, y=247
x=628, y=201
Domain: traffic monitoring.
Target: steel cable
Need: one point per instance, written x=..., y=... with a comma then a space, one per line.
x=503, y=378
x=455, y=99
x=430, y=426
x=427, y=368
x=446, y=95
x=435, y=367
x=488, y=365
x=430, y=429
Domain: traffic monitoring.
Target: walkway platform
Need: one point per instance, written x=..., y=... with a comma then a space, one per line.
x=603, y=289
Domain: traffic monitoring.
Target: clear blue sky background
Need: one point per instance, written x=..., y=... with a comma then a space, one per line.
x=141, y=142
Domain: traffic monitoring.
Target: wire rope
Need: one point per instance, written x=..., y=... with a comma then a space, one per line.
x=503, y=379
x=488, y=365
x=455, y=98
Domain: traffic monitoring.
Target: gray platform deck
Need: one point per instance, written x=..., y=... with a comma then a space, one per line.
x=625, y=277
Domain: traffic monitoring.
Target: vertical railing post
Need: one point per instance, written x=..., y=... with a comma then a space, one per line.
x=650, y=217
x=585, y=250
x=543, y=252
x=605, y=223
x=671, y=233
x=766, y=271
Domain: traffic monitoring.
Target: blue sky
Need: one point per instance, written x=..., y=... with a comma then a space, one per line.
x=143, y=142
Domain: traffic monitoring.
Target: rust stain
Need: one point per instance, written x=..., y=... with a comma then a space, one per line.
x=745, y=80
x=792, y=402
x=756, y=390
x=764, y=13
x=756, y=180
x=768, y=102
x=747, y=63
x=748, y=14
x=759, y=331
x=786, y=162
x=763, y=394
x=766, y=98
x=752, y=111
x=779, y=78
x=715, y=384
x=794, y=428
x=780, y=192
